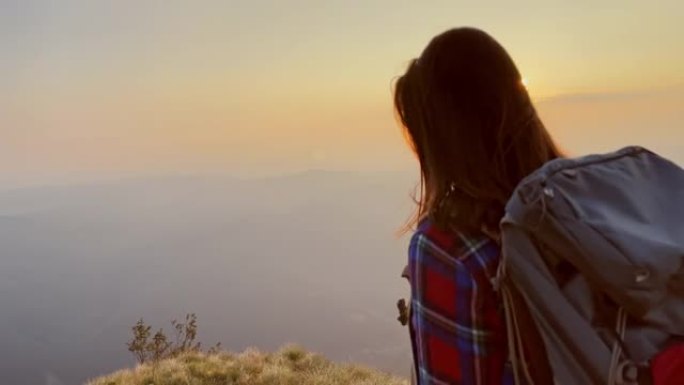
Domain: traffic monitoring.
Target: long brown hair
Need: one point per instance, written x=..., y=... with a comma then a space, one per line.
x=472, y=126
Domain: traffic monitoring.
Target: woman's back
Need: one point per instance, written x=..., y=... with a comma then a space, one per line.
x=456, y=323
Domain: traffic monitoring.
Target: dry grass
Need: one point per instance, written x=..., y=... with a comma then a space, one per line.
x=291, y=365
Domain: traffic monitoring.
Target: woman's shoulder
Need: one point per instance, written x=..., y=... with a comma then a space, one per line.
x=471, y=250
x=451, y=240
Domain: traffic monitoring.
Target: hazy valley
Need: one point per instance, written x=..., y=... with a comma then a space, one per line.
x=311, y=258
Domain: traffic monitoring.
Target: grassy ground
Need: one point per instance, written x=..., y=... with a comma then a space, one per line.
x=290, y=366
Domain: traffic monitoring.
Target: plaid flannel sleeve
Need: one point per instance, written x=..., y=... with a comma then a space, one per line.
x=458, y=333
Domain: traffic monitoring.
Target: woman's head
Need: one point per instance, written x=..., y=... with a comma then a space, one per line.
x=472, y=126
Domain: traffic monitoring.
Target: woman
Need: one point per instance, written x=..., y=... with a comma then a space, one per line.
x=476, y=134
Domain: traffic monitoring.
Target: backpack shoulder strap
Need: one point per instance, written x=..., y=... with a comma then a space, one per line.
x=526, y=348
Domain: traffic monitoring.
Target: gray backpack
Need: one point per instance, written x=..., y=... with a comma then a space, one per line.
x=593, y=248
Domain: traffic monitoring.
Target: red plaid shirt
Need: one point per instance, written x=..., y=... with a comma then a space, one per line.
x=457, y=325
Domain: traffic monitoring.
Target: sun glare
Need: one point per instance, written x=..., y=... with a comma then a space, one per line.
x=524, y=82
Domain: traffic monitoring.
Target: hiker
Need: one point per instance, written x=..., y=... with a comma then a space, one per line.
x=476, y=135
x=588, y=300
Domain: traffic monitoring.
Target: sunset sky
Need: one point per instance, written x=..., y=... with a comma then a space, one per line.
x=97, y=89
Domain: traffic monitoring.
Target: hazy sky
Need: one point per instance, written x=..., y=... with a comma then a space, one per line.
x=116, y=87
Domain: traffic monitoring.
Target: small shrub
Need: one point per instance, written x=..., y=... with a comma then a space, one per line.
x=138, y=345
x=148, y=348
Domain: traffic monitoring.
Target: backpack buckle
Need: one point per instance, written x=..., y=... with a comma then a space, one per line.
x=630, y=373
x=403, y=312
